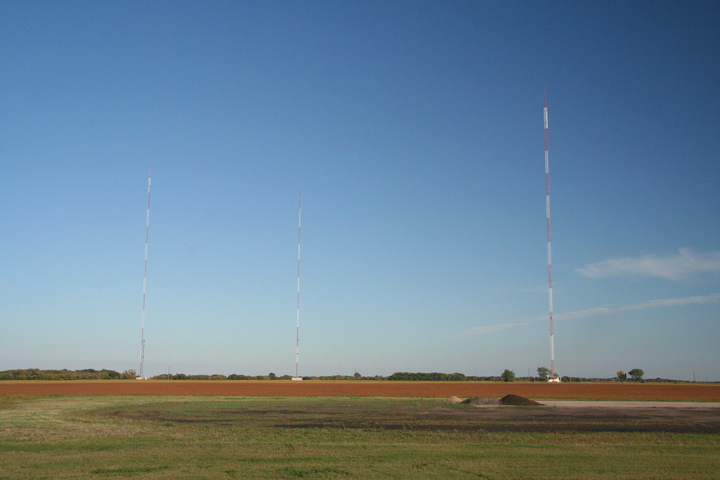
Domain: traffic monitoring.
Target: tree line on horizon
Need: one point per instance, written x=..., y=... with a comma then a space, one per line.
x=508, y=375
x=86, y=374
x=427, y=377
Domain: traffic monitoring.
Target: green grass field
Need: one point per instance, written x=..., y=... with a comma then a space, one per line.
x=291, y=437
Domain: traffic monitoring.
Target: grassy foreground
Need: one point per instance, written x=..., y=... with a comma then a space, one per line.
x=287, y=438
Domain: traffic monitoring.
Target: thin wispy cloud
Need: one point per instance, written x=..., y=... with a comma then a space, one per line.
x=683, y=264
x=666, y=302
x=492, y=328
x=598, y=311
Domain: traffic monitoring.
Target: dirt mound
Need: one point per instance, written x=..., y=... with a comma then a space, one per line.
x=454, y=399
x=517, y=400
x=482, y=401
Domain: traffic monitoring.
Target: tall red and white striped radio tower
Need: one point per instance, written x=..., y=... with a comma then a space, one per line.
x=297, y=327
x=142, y=323
x=549, y=245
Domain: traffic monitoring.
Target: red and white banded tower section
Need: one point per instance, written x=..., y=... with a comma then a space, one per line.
x=549, y=244
x=142, y=323
x=297, y=324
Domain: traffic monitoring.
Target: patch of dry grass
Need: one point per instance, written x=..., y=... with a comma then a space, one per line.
x=211, y=437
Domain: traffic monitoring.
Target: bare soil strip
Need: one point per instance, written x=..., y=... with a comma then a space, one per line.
x=535, y=391
x=429, y=415
x=628, y=404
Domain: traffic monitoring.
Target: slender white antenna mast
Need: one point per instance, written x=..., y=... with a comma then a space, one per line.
x=142, y=323
x=549, y=247
x=297, y=328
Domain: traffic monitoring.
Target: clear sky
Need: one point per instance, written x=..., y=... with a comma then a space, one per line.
x=414, y=131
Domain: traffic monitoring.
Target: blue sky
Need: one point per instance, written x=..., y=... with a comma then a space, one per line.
x=414, y=131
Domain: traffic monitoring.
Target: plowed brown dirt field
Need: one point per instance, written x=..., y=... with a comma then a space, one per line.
x=537, y=390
